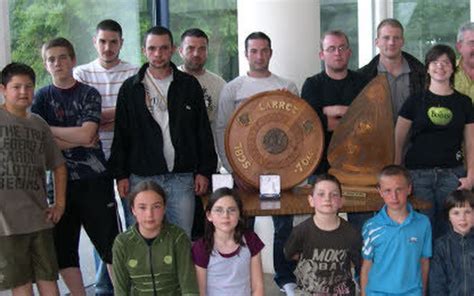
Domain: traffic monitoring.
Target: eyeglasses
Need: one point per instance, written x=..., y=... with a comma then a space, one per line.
x=469, y=43
x=442, y=63
x=341, y=49
x=221, y=211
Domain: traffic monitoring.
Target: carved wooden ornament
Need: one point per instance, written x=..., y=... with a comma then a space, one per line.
x=277, y=133
x=363, y=142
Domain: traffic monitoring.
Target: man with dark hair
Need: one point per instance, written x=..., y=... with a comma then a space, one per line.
x=193, y=51
x=162, y=131
x=106, y=74
x=332, y=91
x=405, y=74
x=258, y=52
x=73, y=109
x=257, y=35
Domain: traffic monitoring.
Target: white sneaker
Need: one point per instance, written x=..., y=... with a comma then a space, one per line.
x=289, y=289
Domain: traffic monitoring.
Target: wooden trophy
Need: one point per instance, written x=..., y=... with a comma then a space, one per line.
x=274, y=133
x=363, y=142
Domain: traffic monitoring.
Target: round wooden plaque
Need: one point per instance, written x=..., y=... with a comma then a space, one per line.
x=274, y=133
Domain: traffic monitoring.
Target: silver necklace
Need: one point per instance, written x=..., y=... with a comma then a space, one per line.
x=160, y=101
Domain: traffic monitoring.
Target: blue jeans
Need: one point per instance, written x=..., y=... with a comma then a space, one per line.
x=179, y=189
x=357, y=220
x=127, y=213
x=434, y=185
x=283, y=268
x=103, y=284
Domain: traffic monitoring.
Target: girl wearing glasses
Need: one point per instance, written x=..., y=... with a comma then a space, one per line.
x=436, y=123
x=227, y=258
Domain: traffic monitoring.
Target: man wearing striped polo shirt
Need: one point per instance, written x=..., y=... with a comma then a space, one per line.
x=106, y=74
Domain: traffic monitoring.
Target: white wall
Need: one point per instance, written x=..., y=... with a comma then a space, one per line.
x=293, y=27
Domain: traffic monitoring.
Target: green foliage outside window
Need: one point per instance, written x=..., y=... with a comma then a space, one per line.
x=218, y=18
x=33, y=22
x=428, y=22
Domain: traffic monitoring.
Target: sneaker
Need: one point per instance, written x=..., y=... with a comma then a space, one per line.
x=288, y=289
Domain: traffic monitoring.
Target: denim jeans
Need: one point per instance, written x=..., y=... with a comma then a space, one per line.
x=103, y=284
x=127, y=213
x=434, y=185
x=179, y=189
x=357, y=220
x=283, y=268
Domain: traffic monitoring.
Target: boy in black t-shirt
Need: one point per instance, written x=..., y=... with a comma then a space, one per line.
x=325, y=245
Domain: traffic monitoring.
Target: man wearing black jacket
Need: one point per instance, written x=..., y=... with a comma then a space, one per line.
x=162, y=131
x=405, y=74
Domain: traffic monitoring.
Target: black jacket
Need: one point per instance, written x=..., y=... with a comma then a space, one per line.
x=137, y=147
x=417, y=72
x=452, y=265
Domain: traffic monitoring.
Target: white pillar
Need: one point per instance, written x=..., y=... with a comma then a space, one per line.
x=366, y=31
x=292, y=25
x=371, y=13
x=383, y=9
x=471, y=6
x=4, y=36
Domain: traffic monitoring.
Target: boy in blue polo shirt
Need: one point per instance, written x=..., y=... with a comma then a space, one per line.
x=397, y=241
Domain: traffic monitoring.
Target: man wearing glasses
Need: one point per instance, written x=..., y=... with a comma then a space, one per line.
x=332, y=91
x=464, y=75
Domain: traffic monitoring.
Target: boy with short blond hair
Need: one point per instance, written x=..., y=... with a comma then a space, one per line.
x=26, y=220
x=73, y=109
x=397, y=241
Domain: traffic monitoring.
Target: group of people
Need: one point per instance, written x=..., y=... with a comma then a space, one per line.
x=155, y=129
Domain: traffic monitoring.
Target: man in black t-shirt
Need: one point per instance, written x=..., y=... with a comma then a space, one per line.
x=332, y=91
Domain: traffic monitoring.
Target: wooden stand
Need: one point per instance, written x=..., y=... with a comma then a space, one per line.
x=295, y=201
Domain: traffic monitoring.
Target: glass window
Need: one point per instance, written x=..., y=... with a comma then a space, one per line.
x=218, y=18
x=34, y=22
x=342, y=15
x=427, y=22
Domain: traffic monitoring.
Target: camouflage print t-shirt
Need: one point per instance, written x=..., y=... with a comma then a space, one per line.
x=71, y=108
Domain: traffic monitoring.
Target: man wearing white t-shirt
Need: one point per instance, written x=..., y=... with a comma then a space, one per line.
x=106, y=74
x=193, y=50
x=258, y=52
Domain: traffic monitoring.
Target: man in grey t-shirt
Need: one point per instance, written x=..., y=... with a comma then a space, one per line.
x=405, y=74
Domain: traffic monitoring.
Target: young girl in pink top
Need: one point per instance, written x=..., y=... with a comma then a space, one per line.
x=227, y=258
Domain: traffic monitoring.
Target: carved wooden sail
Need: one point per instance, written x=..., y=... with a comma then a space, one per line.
x=363, y=142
